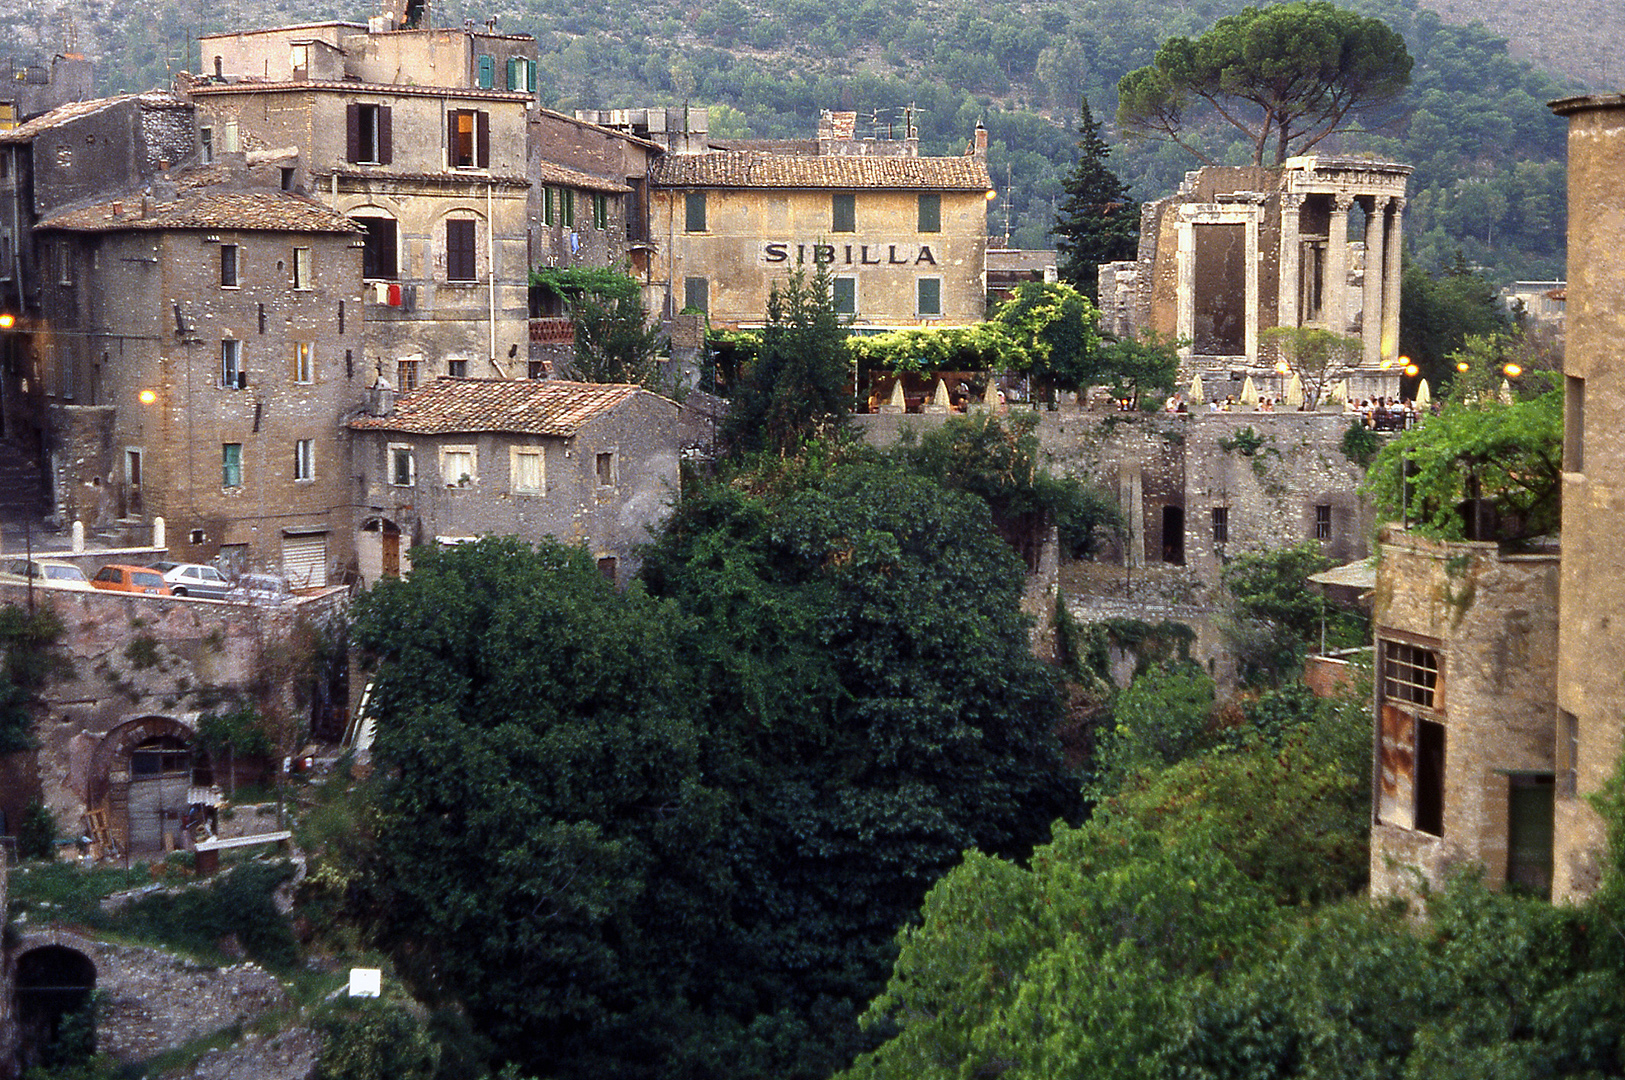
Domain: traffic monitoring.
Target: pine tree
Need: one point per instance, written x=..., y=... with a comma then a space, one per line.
x=1098, y=222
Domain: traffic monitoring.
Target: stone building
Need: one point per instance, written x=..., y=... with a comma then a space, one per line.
x=1241, y=249
x=1466, y=640
x=1591, y=638
x=903, y=237
x=587, y=463
x=199, y=346
x=29, y=90
x=419, y=136
x=75, y=153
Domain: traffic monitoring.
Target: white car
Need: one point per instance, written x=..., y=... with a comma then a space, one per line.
x=57, y=575
x=194, y=579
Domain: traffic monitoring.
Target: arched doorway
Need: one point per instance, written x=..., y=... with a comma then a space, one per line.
x=160, y=777
x=379, y=550
x=54, y=1024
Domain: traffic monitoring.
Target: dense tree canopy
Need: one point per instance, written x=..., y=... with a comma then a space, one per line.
x=1286, y=76
x=1098, y=222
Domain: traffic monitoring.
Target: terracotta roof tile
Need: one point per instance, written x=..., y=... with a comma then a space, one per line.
x=751, y=169
x=450, y=406
x=548, y=173
x=263, y=210
x=249, y=86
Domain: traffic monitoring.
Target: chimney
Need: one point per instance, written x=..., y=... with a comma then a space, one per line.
x=381, y=399
x=979, y=145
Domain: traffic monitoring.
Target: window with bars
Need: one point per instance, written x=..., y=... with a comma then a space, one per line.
x=1221, y=524
x=1410, y=673
x=1323, y=522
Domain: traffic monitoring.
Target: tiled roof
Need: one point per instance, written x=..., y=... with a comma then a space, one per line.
x=265, y=210
x=559, y=176
x=248, y=86
x=450, y=176
x=748, y=169
x=62, y=114
x=450, y=406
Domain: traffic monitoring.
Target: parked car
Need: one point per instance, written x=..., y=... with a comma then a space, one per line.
x=260, y=589
x=117, y=577
x=58, y=575
x=194, y=579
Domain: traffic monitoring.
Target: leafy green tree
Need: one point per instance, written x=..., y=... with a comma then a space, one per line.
x=1483, y=468
x=800, y=381
x=877, y=709
x=545, y=838
x=1142, y=368
x=615, y=344
x=1287, y=75
x=1437, y=314
x=375, y=1040
x=29, y=660
x=1316, y=356
x=1098, y=222
x=1270, y=614
x=1057, y=326
x=1162, y=718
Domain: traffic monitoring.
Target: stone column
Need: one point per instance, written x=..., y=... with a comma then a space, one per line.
x=1250, y=319
x=1290, y=263
x=1390, y=277
x=1371, y=318
x=1335, y=291
x=1185, y=263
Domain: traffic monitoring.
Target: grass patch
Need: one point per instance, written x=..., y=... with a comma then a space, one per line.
x=68, y=893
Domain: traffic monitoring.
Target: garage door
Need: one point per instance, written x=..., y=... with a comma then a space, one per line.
x=304, y=559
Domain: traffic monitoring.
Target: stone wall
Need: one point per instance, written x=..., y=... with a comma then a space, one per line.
x=1491, y=621
x=135, y=657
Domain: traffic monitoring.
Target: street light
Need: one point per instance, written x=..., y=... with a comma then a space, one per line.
x=1512, y=371
x=147, y=397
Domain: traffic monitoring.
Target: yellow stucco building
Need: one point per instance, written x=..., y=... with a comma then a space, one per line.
x=903, y=237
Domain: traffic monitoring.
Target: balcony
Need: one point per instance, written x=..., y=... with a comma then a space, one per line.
x=557, y=330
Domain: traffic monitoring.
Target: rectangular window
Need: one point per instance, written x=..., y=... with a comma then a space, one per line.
x=930, y=213
x=205, y=145
x=231, y=465
x=287, y=178
x=843, y=212
x=843, y=293
x=231, y=365
x=549, y=214
x=928, y=296
x=1409, y=673
x=600, y=211
x=406, y=375
x=304, y=459
x=468, y=139
x=694, y=212
x=369, y=134
x=1430, y=777
x=1530, y=815
x=521, y=75
x=457, y=368
x=64, y=264
x=569, y=197
x=1574, y=425
x=606, y=469
x=301, y=268
x=402, y=468
x=303, y=367
x=527, y=470
x=1221, y=524
x=460, y=250
x=228, y=266
x=379, y=247
x=697, y=295
x=1323, y=522
x=457, y=466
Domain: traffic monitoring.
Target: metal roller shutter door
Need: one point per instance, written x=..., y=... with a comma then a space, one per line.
x=304, y=560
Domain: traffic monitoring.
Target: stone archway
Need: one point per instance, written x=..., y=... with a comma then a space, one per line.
x=140, y=776
x=381, y=550
x=54, y=984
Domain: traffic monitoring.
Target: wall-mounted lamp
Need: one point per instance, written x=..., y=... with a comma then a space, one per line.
x=147, y=397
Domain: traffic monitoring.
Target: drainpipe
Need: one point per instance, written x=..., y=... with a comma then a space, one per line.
x=491, y=265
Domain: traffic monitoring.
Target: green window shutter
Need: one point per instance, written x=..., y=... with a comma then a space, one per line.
x=928, y=292
x=530, y=76
x=697, y=294
x=231, y=465
x=547, y=206
x=844, y=293
x=513, y=73
x=930, y=213
x=487, y=74
x=694, y=212
x=569, y=208
x=844, y=212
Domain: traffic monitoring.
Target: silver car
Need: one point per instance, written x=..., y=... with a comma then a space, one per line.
x=58, y=575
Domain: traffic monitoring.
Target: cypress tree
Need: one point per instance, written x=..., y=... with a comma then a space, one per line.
x=1098, y=222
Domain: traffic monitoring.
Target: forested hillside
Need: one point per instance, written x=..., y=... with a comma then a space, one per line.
x=1488, y=155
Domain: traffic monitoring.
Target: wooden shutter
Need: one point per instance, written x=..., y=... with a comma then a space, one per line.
x=482, y=139
x=460, y=250
x=386, y=134
x=451, y=139
x=352, y=130
x=513, y=78
x=487, y=72
x=530, y=75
